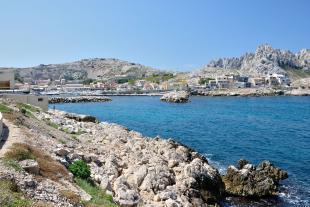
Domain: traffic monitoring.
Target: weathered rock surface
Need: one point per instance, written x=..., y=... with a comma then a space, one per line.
x=265, y=60
x=253, y=181
x=81, y=118
x=141, y=170
x=108, y=68
x=77, y=99
x=30, y=166
x=176, y=97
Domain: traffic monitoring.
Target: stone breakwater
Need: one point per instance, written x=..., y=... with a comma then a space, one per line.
x=78, y=99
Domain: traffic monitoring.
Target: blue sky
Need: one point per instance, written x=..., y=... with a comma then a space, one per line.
x=166, y=34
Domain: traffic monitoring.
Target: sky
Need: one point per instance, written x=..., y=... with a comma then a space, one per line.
x=165, y=34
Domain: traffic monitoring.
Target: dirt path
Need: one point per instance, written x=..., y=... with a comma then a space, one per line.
x=11, y=134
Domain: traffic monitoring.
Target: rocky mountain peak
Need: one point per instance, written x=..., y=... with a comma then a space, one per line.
x=266, y=59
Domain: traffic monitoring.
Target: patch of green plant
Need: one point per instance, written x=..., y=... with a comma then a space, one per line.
x=12, y=163
x=52, y=124
x=89, y=81
x=297, y=73
x=80, y=169
x=157, y=78
x=18, y=77
x=4, y=108
x=28, y=107
x=74, y=137
x=11, y=196
x=62, y=141
x=131, y=82
x=65, y=130
x=203, y=81
x=99, y=197
x=26, y=112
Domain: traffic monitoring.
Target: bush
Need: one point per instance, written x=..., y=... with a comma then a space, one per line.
x=4, y=108
x=80, y=169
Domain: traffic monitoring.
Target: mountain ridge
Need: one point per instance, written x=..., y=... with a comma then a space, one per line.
x=94, y=68
x=265, y=60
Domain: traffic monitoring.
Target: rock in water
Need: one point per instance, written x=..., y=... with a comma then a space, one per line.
x=253, y=181
x=176, y=97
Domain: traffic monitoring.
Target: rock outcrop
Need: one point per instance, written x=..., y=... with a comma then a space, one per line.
x=78, y=99
x=253, y=181
x=141, y=170
x=176, y=97
x=30, y=166
x=265, y=60
x=81, y=118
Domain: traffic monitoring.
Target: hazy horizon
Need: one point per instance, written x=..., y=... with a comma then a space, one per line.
x=174, y=35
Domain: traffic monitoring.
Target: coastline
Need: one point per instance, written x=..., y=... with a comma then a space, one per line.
x=133, y=168
x=247, y=92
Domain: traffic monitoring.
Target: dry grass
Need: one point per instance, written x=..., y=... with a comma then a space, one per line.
x=19, y=152
x=49, y=168
x=41, y=204
x=71, y=196
x=11, y=196
x=14, y=118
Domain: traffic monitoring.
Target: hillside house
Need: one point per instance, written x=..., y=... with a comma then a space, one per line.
x=223, y=81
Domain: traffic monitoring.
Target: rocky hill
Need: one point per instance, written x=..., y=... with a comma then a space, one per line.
x=102, y=68
x=265, y=60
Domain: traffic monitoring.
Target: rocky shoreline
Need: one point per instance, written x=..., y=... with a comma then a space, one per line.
x=138, y=170
x=256, y=92
x=183, y=97
x=78, y=99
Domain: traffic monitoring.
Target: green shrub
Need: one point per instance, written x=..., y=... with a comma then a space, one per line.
x=80, y=169
x=23, y=111
x=4, y=108
x=28, y=107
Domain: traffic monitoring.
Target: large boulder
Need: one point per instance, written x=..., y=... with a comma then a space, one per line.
x=253, y=181
x=81, y=118
x=176, y=97
x=30, y=166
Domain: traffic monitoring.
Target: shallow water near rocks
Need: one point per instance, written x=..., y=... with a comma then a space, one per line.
x=225, y=129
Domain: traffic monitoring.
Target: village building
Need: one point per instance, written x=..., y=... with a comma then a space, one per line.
x=222, y=82
x=7, y=80
x=257, y=82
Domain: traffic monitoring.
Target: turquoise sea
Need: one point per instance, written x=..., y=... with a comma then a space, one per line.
x=225, y=129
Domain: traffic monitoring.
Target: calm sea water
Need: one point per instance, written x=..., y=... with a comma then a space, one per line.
x=225, y=129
